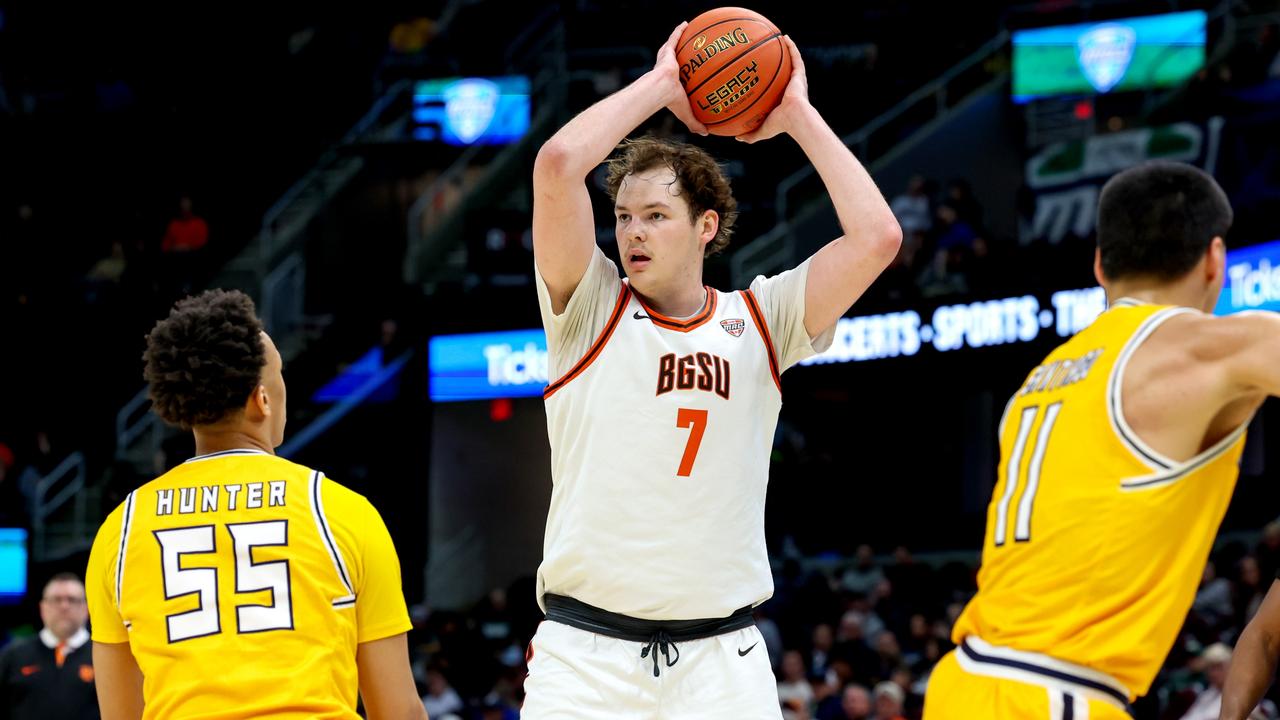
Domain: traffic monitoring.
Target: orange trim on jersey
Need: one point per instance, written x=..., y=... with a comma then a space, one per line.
x=758, y=316
x=596, y=347
x=708, y=310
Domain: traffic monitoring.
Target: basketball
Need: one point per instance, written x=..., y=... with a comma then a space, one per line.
x=735, y=66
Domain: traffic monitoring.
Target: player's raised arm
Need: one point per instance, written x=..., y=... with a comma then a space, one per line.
x=563, y=225
x=843, y=269
x=1253, y=662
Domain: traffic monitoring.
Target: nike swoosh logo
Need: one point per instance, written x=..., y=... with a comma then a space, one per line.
x=638, y=316
x=743, y=653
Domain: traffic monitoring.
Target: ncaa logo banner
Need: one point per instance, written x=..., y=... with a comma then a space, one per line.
x=1104, y=54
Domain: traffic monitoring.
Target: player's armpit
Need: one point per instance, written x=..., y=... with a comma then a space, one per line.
x=118, y=681
x=386, y=681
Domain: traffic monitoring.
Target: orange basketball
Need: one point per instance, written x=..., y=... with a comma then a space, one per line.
x=735, y=66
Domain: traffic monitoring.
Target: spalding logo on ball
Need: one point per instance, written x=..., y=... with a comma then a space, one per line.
x=735, y=66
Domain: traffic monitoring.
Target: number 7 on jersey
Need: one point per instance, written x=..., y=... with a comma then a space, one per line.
x=696, y=421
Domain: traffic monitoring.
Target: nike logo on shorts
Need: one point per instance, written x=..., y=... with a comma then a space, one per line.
x=743, y=653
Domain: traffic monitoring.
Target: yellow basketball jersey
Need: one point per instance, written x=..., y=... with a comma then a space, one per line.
x=1095, y=543
x=243, y=584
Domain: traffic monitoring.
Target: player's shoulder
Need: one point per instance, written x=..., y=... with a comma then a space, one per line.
x=1209, y=338
x=339, y=501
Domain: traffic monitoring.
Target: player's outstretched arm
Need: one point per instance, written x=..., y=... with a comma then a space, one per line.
x=1253, y=663
x=118, y=681
x=563, y=226
x=1253, y=346
x=386, y=681
x=843, y=269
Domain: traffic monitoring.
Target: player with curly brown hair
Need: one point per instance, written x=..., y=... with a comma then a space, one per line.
x=238, y=582
x=663, y=404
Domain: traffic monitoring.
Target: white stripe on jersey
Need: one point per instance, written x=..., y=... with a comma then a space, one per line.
x=126, y=521
x=326, y=538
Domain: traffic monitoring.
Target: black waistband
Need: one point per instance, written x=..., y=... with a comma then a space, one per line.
x=575, y=613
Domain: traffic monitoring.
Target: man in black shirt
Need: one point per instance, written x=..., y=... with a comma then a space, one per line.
x=50, y=677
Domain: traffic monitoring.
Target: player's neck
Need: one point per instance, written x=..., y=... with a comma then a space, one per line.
x=681, y=302
x=210, y=439
x=1181, y=293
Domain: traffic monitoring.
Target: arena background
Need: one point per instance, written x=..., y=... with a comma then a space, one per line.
x=305, y=156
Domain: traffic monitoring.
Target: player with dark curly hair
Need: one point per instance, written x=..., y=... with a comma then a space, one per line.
x=239, y=581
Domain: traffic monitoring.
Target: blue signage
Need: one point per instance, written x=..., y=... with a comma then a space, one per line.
x=13, y=564
x=470, y=111
x=1253, y=280
x=481, y=366
x=514, y=363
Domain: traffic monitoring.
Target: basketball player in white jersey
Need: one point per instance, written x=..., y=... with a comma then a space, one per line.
x=663, y=406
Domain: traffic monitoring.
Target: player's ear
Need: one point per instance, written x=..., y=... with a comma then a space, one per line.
x=708, y=226
x=259, y=402
x=1097, y=267
x=1216, y=260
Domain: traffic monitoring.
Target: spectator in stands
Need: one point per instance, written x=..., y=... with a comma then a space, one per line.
x=911, y=208
x=187, y=232
x=820, y=651
x=960, y=197
x=1214, y=660
x=441, y=698
x=943, y=275
x=183, y=247
x=855, y=704
x=864, y=575
x=1249, y=590
x=890, y=654
x=851, y=647
x=1268, y=552
x=953, y=231
x=772, y=636
x=50, y=676
x=888, y=698
x=105, y=275
x=794, y=691
x=1213, y=600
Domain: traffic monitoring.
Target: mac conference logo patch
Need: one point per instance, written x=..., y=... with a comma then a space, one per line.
x=734, y=326
x=1104, y=53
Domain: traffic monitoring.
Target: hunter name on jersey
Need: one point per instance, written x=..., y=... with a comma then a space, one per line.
x=211, y=498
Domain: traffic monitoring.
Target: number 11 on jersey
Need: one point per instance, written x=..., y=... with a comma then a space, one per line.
x=696, y=421
x=1014, y=473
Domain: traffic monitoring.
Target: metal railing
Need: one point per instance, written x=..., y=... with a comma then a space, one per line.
x=776, y=247
x=63, y=484
x=935, y=92
x=135, y=424
x=317, y=427
x=272, y=267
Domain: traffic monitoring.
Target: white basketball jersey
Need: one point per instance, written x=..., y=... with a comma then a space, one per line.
x=660, y=440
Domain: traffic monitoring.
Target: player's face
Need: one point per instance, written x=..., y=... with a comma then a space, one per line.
x=273, y=384
x=659, y=245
